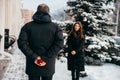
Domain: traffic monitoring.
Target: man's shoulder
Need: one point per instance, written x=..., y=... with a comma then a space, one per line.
x=54, y=24
x=28, y=24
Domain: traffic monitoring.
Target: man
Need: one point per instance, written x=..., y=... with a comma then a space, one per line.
x=40, y=40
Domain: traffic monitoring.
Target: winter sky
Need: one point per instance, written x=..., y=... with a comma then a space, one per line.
x=53, y=4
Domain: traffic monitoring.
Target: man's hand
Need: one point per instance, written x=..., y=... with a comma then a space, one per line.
x=40, y=62
x=73, y=52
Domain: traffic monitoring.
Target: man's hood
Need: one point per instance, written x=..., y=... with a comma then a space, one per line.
x=41, y=16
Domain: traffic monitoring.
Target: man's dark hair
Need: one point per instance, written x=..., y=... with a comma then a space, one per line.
x=43, y=7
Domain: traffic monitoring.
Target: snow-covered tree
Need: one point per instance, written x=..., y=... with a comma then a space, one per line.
x=97, y=24
x=94, y=15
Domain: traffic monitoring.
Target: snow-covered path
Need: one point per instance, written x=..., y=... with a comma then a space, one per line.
x=106, y=72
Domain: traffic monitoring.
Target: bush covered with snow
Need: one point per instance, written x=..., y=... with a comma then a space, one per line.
x=103, y=47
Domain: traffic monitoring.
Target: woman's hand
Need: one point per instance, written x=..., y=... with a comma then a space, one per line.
x=40, y=62
x=73, y=52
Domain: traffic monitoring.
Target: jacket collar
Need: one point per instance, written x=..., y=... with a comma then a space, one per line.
x=41, y=16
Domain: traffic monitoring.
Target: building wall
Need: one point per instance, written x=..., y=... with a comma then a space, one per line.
x=10, y=18
x=27, y=15
x=2, y=23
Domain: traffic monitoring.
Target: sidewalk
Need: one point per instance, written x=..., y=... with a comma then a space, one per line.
x=16, y=70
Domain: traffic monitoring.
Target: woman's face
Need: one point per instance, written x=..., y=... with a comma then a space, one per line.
x=77, y=27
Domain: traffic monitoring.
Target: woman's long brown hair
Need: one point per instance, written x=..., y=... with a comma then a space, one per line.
x=79, y=33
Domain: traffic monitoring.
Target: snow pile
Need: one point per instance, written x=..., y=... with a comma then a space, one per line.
x=5, y=55
x=5, y=59
x=104, y=72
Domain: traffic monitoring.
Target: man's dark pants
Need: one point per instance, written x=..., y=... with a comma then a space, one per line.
x=40, y=78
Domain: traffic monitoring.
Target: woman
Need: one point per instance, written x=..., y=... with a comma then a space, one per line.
x=75, y=43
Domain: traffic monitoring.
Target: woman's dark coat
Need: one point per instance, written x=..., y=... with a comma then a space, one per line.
x=75, y=61
x=43, y=38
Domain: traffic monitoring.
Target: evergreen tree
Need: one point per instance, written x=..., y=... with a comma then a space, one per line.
x=94, y=15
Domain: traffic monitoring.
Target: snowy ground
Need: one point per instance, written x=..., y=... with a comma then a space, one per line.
x=106, y=72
